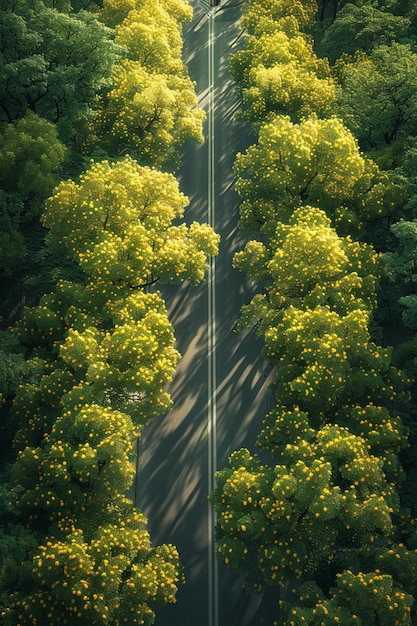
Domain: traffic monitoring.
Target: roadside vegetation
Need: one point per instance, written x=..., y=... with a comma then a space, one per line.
x=95, y=104
x=328, y=195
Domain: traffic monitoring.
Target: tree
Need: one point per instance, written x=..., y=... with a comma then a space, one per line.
x=114, y=12
x=99, y=347
x=150, y=111
x=398, y=292
x=325, y=506
x=402, y=261
x=386, y=110
x=107, y=574
x=104, y=348
x=358, y=597
x=53, y=64
x=306, y=264
x=361, y=28
x=118, y=351
x=15, y=371
x=117, y=225
x=330, y=434
x=75, y=456
x=115, y=342
x=152, y=36
x=278, y=73
x=316, y=162
x=268, y=15
x=329, y=368
x=30, y=157
x=328, y=503
x=148, y=115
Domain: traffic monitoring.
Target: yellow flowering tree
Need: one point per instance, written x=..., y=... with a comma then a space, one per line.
x=152, y=35
x=107, y=574
x=261, y=16
x=313, y=511
x=315, y=162
x=116, y=223
x=149, y=116
x=358, y=598
x=150, y=109
x=328, y=501
x=277, y=72
x=305, y=263
x=115, y=12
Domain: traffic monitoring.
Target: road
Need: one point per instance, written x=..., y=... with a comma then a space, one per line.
x=220, y=389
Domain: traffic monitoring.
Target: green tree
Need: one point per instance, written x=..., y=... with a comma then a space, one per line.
x=401, y=267
x=52, y=63
x=118, y=351
x=333, y=441
x=397, y=292
x=387, y=109
x=361, y=28
x=31, y=157
x=15, y=371
x=329, y=367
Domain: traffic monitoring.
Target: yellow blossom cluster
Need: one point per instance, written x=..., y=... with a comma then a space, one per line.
x=113, y=577
x=151, y=109
x=291, y=517
x=265, y=15
x=117, y=225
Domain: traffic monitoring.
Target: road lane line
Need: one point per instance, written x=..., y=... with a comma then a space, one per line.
x=213, y=587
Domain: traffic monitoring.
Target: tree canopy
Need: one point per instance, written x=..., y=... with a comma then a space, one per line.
x=326, y=503
x=316, y=162
x=86, y=364
x=95, y=105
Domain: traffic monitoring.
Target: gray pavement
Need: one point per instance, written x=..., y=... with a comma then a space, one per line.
x=220, y=389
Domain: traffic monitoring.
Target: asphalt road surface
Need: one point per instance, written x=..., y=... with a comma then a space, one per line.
x=220, y=389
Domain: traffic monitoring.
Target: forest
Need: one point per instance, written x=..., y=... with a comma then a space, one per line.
x=96, y=105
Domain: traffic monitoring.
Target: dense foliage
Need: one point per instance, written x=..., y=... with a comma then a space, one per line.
x=328, y=503
x=95, y=101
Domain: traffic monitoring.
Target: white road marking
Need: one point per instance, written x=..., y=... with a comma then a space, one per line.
x=213, y=586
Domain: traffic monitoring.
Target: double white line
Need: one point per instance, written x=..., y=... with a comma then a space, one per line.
x=213, y=587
